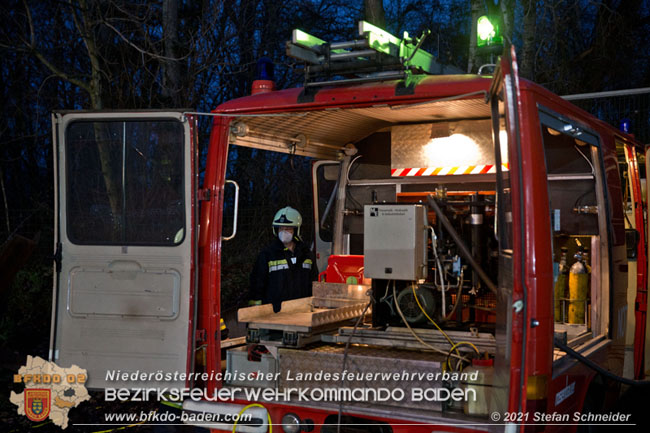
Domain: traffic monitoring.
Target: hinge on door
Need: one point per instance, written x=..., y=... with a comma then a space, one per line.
x=58, y=255
x=204, y=194
x=200, y=336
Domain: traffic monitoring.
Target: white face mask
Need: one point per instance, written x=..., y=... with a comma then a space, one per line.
x=285, y=237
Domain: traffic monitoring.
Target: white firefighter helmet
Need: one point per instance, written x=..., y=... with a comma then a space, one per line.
x=287, y=217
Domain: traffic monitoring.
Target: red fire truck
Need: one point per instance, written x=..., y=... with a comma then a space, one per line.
x=483, y=221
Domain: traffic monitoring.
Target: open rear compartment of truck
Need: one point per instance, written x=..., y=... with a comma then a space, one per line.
x=447, y=210
x=423, y=176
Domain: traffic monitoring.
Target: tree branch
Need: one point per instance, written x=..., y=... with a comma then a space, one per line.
x=140, y=50
x=58, y=72
x=94, y=87
x=30, y=23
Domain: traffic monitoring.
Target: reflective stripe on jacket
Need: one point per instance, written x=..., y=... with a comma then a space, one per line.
x=280, y=274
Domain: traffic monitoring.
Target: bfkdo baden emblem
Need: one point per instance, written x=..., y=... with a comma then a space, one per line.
x=37, y=404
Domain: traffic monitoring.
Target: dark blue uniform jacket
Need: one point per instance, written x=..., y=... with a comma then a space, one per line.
x=280, y=274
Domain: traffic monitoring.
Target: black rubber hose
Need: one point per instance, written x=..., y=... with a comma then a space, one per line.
x=465, y=252
x=589, y=363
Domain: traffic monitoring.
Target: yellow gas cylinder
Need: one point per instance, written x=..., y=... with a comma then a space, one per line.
x=561, y=284
x=578, y=287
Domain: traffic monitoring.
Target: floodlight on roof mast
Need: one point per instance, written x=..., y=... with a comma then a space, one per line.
x=314, y=50
x=412, y=55
x=374, y=55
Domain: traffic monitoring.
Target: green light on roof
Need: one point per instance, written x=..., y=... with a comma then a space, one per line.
x=487, y=33
x=379, y=39
x=306, y=40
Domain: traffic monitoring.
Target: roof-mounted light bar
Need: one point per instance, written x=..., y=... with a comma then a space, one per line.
x=375, y=54
x=411, y=54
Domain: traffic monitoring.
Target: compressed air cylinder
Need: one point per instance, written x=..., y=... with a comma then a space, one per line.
x=578, y=287
x=561, y=285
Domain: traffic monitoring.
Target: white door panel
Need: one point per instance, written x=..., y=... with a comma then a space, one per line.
x=124, y=196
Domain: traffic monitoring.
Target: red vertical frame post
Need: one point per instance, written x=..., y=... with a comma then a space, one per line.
x=641, y=300
x=210, y=248
x=517, y=393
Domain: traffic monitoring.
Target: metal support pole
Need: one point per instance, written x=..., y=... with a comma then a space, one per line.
x=339, y=209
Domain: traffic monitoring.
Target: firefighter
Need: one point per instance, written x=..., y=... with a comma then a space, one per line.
x=285, y=269
x=224, y=330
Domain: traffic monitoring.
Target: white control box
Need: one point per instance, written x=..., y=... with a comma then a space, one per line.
x=395, y=241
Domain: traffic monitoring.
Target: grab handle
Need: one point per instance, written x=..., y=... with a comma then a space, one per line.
x=234, y=219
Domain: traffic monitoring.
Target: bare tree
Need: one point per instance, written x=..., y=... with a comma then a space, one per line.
x=527, y=59
x=473, y=60
x=171, y=67
x=374, y=12
x=591, y=46
x=507, y=15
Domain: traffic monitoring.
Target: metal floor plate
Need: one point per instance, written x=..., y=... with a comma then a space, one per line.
x=368, y=367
